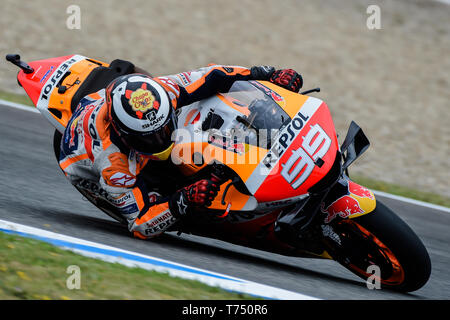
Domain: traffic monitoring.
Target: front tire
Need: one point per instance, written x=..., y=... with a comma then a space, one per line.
x=381, y=238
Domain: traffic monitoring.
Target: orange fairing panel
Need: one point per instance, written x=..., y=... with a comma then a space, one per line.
x=234, y=200
x=42, y=85
x=243, y=163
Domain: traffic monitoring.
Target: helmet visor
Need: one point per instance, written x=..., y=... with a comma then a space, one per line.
x=155, y=142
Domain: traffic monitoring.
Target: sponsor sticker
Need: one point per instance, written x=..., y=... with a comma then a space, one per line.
x=47, y=74
x=122, y=179
x=227, y=144
x=143, y=100
x=132, y=208
x=51, y=83
x=123, y=199
x=342, y=207
x=73, y=131
x=160, y=223
x=184, y=77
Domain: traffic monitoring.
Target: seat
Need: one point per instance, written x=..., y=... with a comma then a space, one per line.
x=100, y=77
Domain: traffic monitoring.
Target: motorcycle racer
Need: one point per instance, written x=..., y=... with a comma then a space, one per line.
x=116, y=132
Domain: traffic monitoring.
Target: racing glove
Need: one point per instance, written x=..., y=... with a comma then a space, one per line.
x=261, y=72
x=199, y=194
x=288, y=79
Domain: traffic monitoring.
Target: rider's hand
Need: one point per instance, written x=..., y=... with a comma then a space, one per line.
x=288, y=79
x=199, y=194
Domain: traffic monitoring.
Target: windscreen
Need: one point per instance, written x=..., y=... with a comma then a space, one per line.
x=260, y=118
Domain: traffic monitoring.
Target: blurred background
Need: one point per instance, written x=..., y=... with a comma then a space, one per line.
x=393, y=81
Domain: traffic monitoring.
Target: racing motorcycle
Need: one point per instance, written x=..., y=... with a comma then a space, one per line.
x=285, y=184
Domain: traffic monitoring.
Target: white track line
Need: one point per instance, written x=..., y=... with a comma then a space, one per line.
x=412, y=201
x=383, y=194
x=133, y=259
x=18, y=106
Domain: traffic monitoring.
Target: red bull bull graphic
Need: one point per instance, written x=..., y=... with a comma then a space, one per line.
x=73, y=126
x=344, y=207
x=358, y=201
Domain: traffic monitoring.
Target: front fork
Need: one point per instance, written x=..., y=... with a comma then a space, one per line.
x=307, y=221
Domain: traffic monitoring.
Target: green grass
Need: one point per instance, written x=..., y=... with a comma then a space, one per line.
x=401, y=191
x=32, y=269
x=367, y=182
x=14, y=97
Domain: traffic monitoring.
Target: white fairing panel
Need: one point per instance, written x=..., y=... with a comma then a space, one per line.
x=191, y=118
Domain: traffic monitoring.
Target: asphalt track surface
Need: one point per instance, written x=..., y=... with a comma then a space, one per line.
x=34, y=192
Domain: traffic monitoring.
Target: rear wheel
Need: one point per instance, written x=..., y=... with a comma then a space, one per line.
x=382, y=239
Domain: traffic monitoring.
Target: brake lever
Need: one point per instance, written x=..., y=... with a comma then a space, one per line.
x=219, y=176
x=235, y=180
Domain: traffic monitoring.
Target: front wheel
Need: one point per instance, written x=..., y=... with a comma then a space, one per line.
x=381, y=239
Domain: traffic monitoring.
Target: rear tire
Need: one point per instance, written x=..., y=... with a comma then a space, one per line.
x=382, y=238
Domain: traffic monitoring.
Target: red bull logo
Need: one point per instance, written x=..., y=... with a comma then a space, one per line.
x=73, y=126
x=344, y=207
x=348, y=205
x=360, y=191
x=78, y=122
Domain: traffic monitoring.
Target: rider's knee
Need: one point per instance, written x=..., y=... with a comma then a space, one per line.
x=139, y=235
x=144, y=231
